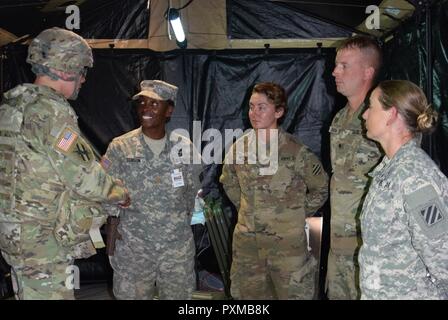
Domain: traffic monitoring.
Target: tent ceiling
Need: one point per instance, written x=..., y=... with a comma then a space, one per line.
x=22, y=17
x=29, y=17
x=352, y=13
x=348, y=13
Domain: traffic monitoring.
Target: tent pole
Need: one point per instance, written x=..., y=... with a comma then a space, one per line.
x=428, y=44
x=429, y=142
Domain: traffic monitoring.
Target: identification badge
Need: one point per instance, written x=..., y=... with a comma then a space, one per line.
x=177, y=178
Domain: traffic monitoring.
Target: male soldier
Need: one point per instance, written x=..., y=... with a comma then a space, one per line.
x=51, y=184
x=156, y=246
x=358, y=61
x=270, y=256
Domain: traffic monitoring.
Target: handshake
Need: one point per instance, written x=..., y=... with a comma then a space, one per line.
x=119, y=194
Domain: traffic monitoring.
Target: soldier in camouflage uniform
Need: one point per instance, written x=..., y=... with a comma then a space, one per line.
x=51, y=184
x=352, y=157
x=270, y=256
x=157, y=242
x=404, y=220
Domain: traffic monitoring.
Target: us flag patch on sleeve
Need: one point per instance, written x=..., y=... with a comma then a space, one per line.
x=66, y=139
x=105, y=163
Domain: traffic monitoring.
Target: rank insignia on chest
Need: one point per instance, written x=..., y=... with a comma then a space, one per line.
x=133, y=160
x=157, y=180
x=431, y=215
x=385, y=184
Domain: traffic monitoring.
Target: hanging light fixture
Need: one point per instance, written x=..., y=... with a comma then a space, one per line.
x=176, y=26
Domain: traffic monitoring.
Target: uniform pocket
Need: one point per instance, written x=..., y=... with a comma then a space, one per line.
x=10, y=234
x=75, y=220
x=302, y=285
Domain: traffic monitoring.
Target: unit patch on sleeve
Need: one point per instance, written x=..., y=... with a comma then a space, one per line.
x=426, y=207
x=83, y=150
x=317, y=168
x=431, y=214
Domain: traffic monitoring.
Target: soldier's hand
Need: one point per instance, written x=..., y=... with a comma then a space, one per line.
x=119, y=194
x=127, y=202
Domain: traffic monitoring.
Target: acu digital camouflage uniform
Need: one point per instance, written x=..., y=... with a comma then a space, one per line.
x=51, y=184
x=352, y=157
x=270, y=256
x=404, y=226
x=157, y=241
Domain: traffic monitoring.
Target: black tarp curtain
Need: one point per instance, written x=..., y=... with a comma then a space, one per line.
x=214, y=88
x=405, y=58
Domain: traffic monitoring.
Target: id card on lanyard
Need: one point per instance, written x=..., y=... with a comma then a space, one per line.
x=177, y=178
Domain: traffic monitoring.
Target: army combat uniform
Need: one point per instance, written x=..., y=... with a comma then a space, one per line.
x=157, y=241
x=352, y=157
x=51, y=186
x=270, y=256
x=404, y=226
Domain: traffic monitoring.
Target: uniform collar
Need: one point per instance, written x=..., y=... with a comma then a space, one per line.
x=36, y=89
x=383, y=168
x=143, y=148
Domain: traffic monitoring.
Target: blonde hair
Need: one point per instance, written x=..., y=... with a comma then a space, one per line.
x=411, y=104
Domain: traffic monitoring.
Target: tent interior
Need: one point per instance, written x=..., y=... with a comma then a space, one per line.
x=231, y=46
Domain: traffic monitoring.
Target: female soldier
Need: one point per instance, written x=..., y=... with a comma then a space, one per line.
x=270, y=256
x=404, y=220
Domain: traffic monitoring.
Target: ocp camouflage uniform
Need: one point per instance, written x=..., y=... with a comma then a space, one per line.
x=404, y=225
x=352, y=157
x=50, y=191
x=270, y=256
x=157, y=241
